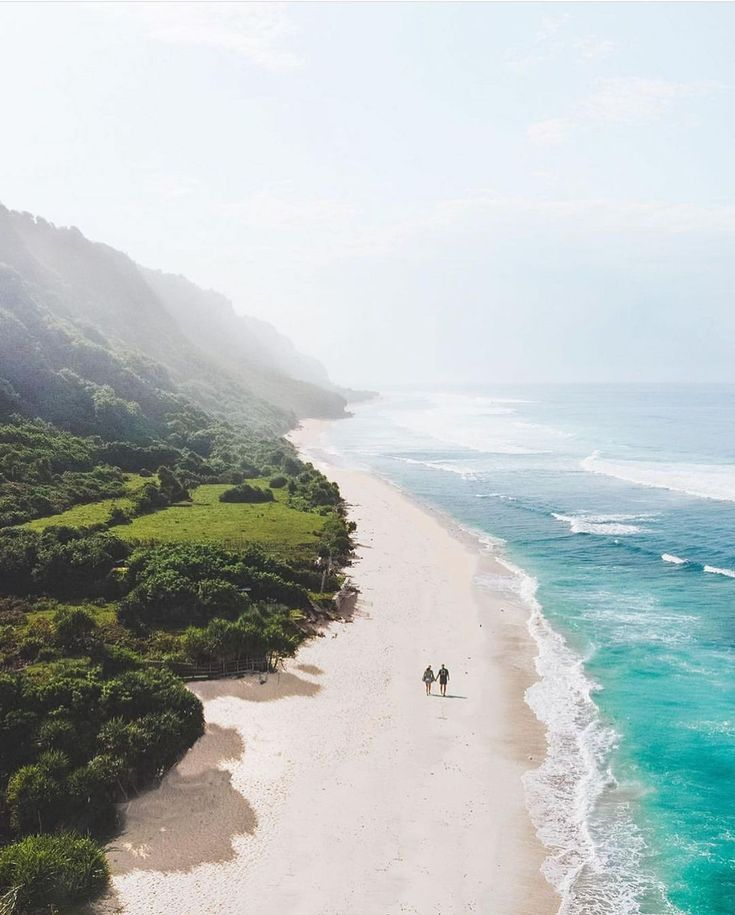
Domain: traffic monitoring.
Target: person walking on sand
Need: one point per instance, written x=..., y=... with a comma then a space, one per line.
x=443, y=679
x=428, y=679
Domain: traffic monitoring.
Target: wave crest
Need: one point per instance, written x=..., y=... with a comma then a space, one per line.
x=704, y=481
x=715, y=570
x=596, y=870
x=606, y=525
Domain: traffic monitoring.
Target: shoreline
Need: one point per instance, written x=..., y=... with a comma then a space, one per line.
x=516, y=652
x=337, y=786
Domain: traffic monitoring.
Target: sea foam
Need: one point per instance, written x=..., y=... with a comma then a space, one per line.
x=676, y=560
x=488, y=425
x=596, y=869
x=705, y=481
x=448, y=466
x=605, y=525
x=714, y=570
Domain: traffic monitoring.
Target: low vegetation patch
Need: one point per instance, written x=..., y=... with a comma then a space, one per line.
x=215, y=557
x=98, y=513
x=246, y=493
x=47, y=871
x=275, y=523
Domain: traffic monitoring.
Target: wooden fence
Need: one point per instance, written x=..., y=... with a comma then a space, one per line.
x=214, y=670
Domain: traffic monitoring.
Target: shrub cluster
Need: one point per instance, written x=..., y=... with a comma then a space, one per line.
x=86, y=721
x=60, y=561
x=192, y=583
x=73, y=742
x=50, y=871
x=264, y=630
x=246, y=493
x=44, y=471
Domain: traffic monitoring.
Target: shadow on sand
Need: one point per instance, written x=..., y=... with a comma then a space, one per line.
x=190, y=818
x=448, y=696
x=274, y=686
x=310, y=669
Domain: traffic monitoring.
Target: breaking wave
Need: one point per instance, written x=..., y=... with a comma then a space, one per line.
x=594, y=863
x=605, y=525
x=705, y=481
x=714, y=570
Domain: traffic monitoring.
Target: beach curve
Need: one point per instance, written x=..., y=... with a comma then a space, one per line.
x=362, y=794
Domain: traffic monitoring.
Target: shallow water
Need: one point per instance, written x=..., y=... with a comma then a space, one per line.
x=617, y=508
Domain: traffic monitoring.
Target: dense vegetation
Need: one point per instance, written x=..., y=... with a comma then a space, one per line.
x=94, y=627
x=151, y=524
x=135, y=333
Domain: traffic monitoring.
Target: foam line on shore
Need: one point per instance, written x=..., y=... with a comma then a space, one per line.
x=412, y=804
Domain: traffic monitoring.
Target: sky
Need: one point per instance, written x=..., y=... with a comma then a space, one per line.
x=413, y=192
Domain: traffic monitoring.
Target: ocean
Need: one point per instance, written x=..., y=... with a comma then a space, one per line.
x=614, y=508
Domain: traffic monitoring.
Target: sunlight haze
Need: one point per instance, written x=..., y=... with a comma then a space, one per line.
x=434, y=193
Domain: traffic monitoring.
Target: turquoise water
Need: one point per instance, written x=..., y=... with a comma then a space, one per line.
x=617, y=505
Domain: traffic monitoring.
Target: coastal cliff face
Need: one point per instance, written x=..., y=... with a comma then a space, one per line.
x=235, y=367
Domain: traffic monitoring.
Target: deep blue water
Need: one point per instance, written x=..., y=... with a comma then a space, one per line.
x=620, y=503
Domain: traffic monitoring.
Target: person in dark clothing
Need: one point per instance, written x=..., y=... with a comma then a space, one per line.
x=443, y=678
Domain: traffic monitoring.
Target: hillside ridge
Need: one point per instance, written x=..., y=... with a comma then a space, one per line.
x=215, y=357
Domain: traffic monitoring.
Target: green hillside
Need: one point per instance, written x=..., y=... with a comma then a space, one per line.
x=227, y=365
x=153, y=525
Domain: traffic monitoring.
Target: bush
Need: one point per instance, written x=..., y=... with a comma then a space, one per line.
x=148, y=499
x=118, y=516
x=39, y=634
x=18, y=555
x=218, y=598
x=35, y=799
x=248, y=470
x=61, y=735
x=270, y=586
x=278, y=482
x=162, y=596
x=171, y=487
x=75, y=629
x=52, y=870
x=291, y=466
x=93, y=791
x=246, y=493
x=71, y=563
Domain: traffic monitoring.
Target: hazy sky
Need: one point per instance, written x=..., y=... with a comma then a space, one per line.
x=410, y=191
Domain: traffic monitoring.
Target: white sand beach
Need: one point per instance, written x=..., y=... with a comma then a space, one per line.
x=337, y=786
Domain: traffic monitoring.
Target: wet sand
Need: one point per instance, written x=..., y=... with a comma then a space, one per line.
x=338, y=786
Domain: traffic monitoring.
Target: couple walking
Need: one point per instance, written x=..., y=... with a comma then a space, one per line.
x=429, y=677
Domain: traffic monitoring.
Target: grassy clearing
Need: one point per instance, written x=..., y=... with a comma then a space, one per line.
x=91, y=512
x=105, y=615
x=274, y=524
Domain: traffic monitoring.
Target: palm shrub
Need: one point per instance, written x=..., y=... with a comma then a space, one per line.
x=51, y=870
x=35, y=797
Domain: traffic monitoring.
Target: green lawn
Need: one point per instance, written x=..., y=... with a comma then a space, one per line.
x=274, y=524
x=92, y=512
x=102, y=615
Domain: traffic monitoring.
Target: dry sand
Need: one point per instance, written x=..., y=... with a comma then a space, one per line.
x=338, y=787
